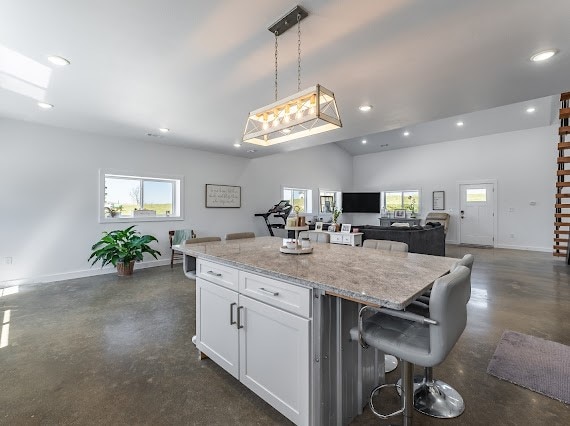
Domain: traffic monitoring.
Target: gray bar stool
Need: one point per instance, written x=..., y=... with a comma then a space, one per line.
x=417, y=339
x=434, y=397
x=240, y=235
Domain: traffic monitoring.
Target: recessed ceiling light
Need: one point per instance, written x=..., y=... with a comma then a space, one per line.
x=544, y=55
x=459, y=124
x=164, y=130
x=365, y=108
x=58, y=60
x=530, y=110
x=237, y=145
x=286, y=131
x=251, y=150
x=45, y=105
x=406, y=133
x=364, y=141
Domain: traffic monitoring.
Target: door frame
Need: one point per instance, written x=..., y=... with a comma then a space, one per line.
x=495, y=205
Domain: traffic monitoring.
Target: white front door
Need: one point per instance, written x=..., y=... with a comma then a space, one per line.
x=477, y=214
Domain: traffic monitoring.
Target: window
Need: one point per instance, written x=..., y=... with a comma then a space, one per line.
x=141, y=198
x=328, y=199
x=299, y=197
x=476, y=195
x=398, y=200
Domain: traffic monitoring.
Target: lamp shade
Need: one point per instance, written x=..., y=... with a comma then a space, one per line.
x=308, y=112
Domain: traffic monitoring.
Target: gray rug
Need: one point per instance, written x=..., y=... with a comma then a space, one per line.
x=540, y=365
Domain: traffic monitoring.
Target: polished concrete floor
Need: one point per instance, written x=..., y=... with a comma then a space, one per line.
x=109, y=350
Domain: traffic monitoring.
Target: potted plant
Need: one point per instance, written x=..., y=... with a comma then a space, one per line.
x=335, y=214
x=113, y=210
x=122, y=248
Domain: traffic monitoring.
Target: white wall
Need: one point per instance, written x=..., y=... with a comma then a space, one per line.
x=324, y=167
x=522, y=162
x=49, y=193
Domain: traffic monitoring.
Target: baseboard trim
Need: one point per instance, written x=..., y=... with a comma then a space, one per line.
x=526, y=248
x=84, y=273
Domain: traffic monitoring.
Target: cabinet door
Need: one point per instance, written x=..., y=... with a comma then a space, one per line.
x=216, y=336
x=336, y=238
x=274, y=358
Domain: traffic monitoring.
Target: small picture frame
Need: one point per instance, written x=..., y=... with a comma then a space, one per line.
x=319, y=226
x=345, y=229
x=400, y=214
x=332, y=228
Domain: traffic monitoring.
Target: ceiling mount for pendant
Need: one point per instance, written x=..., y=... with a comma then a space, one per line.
x=288, y=21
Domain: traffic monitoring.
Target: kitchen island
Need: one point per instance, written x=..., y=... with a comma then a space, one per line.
x=280, y=323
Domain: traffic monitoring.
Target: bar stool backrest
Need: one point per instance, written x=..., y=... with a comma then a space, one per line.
x=449, y=308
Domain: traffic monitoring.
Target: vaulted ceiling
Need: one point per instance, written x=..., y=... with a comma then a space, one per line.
x=199, y=67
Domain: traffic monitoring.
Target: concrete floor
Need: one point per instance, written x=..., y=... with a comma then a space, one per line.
x=109, y=350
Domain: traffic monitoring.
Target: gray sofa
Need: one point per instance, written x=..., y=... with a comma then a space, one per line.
x=426, y=240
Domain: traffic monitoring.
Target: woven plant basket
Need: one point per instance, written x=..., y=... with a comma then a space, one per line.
x=125, y=270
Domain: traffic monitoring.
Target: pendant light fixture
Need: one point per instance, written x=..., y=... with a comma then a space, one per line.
x=307, y=112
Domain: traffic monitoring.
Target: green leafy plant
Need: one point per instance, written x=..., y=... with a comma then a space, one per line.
x=113, y=210
x=122, y=246
x=335, y=213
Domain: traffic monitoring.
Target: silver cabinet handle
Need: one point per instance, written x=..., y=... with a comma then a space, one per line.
x=271, y=292
x=215, y=274
x=239, y=324
x=232, y=322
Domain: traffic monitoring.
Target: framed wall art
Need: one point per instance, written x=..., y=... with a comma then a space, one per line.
x=438, y=200
x=223, y=196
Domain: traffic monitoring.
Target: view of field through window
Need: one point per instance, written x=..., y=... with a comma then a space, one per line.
x=397, y=200
x=124, y=195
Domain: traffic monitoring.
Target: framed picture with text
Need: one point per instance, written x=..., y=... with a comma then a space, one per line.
x=438, y=200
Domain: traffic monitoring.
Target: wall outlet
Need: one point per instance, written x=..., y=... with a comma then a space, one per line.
x=511, y=209
x=7, y=260
x=512, y=235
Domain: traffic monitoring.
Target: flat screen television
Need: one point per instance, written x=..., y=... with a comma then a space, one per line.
x=361, y=202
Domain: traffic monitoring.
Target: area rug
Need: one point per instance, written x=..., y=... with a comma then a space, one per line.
x=540, y=365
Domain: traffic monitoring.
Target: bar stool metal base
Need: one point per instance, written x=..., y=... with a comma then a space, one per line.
x=390, y=363
x=437, y=399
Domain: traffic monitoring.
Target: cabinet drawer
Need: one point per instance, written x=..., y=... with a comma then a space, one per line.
x=336, y=238
x=219, y=274
x=346, y=239
x=289, y=297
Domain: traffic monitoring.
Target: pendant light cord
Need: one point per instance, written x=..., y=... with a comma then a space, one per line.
x=276, y=36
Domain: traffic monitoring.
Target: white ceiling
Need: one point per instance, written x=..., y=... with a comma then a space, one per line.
x=198, y=67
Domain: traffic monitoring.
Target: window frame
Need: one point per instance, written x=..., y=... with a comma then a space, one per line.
x=337, y=199
x=308, y=209
x=402, y=207
x=177, y=195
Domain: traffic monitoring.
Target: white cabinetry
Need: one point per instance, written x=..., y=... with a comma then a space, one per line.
x=216, y=332
x=257, y=329
x=352, y=239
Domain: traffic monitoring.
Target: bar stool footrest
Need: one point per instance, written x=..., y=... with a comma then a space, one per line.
x=376, y=413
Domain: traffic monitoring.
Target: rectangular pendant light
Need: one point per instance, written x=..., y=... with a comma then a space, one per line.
x=308, y=112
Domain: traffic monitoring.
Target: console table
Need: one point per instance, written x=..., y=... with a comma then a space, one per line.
x=388, y=221
x=350, y=239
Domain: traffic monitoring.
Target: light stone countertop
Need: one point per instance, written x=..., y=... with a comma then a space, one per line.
x=374, y=277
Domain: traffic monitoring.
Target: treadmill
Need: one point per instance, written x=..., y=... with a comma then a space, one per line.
x=280, y=210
